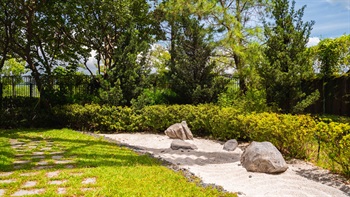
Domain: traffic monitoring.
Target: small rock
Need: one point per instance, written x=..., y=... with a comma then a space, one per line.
x=231, y=145
x=180, y=144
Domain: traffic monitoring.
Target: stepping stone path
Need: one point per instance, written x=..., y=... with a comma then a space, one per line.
x=30, y=184
x=33, y=155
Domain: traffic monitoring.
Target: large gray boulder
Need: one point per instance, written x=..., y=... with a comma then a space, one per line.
x=179, y=131
x=180, y=144
x=230, y=145
x=263, y=157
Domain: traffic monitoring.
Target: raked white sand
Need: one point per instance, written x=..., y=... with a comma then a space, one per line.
x=216, y=166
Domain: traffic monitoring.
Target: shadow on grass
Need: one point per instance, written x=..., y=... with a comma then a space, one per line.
x=85, y=153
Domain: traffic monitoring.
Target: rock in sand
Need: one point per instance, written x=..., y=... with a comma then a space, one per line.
x=179, y=131
x=263, y=157
x=231, y=145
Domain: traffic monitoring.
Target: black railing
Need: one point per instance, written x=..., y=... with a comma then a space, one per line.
x=25, y=86
x=13, y=86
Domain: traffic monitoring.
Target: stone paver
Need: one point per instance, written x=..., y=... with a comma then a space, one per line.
x=42, y=167
x=46, y=148
x=76, y=174
x=21, y=162
x=86, y=189
x=52, y=174
x=42, y=163
x=63, y=162
x=57, y=156
x=2, y=192
x=32, y=147
x=38, y=157
x=57, y=182
x=7, y=181
x=38, y=153
x=69, y=166
x=29, y=184
x=29, y=174
x=61, y=190
x=3, y=174
x=56, y=153
x=18, y=167
x=89, y=181
x=28, y=192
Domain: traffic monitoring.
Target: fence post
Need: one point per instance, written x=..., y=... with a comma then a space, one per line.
x=0, y=92
x=13, y=86
x=30, y=87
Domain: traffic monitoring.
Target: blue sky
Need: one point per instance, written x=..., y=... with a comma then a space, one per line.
x=332, y=18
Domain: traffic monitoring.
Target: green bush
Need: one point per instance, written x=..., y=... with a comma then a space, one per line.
x=291, y=134
x=24, y=112
x=334, y=138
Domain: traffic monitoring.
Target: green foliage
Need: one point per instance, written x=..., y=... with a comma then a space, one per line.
x=333, y=55
x=13, y=67
x=288, y=61
x=291, y=134
x=94, y=117
x=254, y=100
x=155, y=96
x=24, y=112
x=334, y=140
x=191, y=73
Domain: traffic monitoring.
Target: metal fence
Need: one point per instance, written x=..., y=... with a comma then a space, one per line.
x=25, y=86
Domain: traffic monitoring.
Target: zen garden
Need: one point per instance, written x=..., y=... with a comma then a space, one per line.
x=171, y=98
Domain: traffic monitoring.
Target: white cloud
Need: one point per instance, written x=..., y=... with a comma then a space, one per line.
x=313, y=41
x=345, y=3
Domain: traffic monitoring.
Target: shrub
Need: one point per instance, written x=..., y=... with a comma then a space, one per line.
x=334, y=138
x=291, y=134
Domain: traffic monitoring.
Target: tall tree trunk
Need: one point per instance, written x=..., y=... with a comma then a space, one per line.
x=241, y=76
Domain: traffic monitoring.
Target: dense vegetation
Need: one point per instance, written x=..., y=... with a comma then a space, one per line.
x=171, y=51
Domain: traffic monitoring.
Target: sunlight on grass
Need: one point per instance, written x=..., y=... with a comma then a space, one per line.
x=68, y=163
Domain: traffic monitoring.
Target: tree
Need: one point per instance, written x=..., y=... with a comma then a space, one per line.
x=236, y=20
x=191, y=71
x=8, y=29
x=333, y=55
x=288, y=62
x=118, y=31
x=34, y=35
x=13, y=67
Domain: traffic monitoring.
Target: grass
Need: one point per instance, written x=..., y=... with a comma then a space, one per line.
x=116, y=171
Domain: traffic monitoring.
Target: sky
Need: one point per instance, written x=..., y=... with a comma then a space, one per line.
x=332, y=18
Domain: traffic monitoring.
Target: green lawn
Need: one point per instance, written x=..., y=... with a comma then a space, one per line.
x=68, y=163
